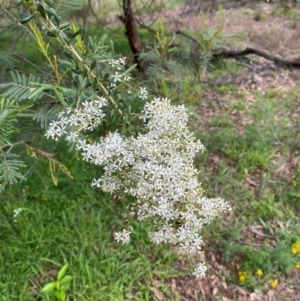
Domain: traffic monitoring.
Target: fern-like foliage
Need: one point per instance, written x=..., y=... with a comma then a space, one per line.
x=6, y=60
x=10, y=169
x=22, y=87
x=45, y=114
x=10, y=163
x=9, y=113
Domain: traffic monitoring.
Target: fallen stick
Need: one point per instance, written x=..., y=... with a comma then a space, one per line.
x=280, y=62
x=235, y=54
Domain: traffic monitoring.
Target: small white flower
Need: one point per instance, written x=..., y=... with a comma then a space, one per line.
x=122, y=60
x=16, y=212
x=117, y=77
x=96, y=183
x=123, y=236
x=143, y=94
x=200, y=270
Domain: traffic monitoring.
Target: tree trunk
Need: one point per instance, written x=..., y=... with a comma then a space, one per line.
x=131, y=33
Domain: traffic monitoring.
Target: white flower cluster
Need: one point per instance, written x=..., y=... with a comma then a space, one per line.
x=118, y=77
x=70, y=122
x=156, y=167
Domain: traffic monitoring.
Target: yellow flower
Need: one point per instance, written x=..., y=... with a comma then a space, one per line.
x=294, y=183
x=259, y=272
x=295, y=248
x=242, y=276
x=274, y=283
x=297, y=266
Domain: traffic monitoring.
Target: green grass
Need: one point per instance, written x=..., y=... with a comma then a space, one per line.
x=26, y=48
x=120, y=40
x=73, y=224
x=245, y=152
x=287, y=13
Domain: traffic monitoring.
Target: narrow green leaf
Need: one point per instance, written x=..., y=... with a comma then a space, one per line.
x=36, y=93
x=27, y=19
x=52, y=12
x=67, y=63
x=88, y=84
x=112, y=46
x=103, y=39
x=51, y=34
x=41, y=9
x=129, y=69
x=64, y=36
x=49, y=287
x=69, y=56
x=78, y=32
x=60, y=95
x=105, y=77
x=93, y=65
x=64, y=25
x=62, y=272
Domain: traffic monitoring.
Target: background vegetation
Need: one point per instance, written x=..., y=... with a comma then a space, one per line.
x=251, y=134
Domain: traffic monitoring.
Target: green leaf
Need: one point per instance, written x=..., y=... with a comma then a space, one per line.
x=65, y=37
x=64, y=25
x=69, y=56
x=78, y=32
x=41, y=9
x=49, y=287
x=129, y=69
x=105, y=77
x=60, y=95
x=68, y=64
x=66, y=280
x=60, y=294
x=51, y=34
x=53, y=13
x=27, y=19
x=62, y=272
x=93, y=65
x=36, y=93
